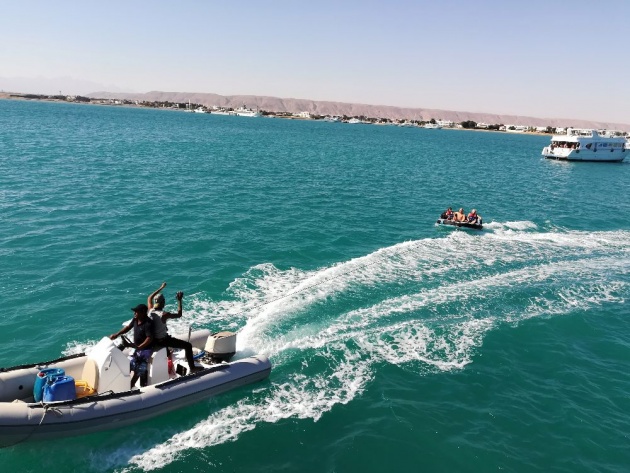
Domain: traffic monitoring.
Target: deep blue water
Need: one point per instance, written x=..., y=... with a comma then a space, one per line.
x=396, y=344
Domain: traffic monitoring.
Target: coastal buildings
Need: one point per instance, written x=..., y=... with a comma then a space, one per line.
x=383, y=115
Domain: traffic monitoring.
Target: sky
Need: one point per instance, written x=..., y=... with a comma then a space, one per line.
x=547, y=59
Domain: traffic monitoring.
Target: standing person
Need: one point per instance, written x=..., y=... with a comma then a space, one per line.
x=159, y=317
x=143, y=337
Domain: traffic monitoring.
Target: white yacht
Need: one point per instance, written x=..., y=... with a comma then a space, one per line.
x=246, y=112
x=432, y=126
x=586, y=145
x=221, y=111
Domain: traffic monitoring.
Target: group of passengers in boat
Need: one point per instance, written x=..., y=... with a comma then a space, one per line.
x=566, y=145
x=460, y=216
x=150, y=333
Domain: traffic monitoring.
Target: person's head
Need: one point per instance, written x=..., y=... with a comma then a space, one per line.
x=450, y=209
x=473, y=211
x=461, y=211
x=159, y=302
x=140, y=311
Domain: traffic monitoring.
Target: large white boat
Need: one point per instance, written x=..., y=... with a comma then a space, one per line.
x=246, y=112
x=432, y=126
x=91, y=392
x=586, y=145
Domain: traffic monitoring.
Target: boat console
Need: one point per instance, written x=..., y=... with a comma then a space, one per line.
x=107, y=368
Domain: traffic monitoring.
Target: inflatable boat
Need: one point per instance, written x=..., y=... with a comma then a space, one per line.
x=476, y=226
x=91, y=392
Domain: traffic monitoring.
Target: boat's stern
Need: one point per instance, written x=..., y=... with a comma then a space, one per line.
x=556, y=153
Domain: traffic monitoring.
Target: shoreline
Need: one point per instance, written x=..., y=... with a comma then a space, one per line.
x=16, y=96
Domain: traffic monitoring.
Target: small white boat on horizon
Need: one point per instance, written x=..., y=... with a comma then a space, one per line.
x=586, y=145
x=432, y=126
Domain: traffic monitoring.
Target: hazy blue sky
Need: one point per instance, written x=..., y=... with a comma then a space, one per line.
x=551, y=58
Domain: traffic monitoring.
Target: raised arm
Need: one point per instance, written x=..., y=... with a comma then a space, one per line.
x=155, y=293
x=167, y=315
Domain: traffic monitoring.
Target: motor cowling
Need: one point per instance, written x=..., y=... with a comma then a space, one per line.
x=221, y=346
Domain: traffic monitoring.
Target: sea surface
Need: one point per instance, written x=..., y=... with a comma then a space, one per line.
x=397, y=345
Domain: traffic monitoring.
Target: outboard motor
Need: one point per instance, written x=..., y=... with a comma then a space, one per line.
x=221, y=346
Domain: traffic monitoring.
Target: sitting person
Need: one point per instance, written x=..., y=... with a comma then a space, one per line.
x=448, y=215
x=159, y=317
x=143, y=343
x=459, y=216
x=473, y=217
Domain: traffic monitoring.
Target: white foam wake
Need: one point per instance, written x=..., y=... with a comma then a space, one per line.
x=422, y=305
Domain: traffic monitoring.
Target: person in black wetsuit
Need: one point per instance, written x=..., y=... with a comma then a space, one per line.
x=143, y=338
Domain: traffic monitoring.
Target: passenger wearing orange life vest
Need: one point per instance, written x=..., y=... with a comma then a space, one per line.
x=473, y=217
x=447, y=214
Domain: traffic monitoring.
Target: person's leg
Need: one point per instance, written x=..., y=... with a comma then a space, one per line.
x=143, y=371
x=140, y=367
x=177, y=343
x=133, y=367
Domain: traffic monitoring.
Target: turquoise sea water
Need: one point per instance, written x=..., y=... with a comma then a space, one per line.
x=397, y=345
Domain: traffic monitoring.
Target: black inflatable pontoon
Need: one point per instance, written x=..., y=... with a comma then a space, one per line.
x=442, y=221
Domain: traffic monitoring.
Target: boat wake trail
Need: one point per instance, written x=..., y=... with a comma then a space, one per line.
x=424, y=306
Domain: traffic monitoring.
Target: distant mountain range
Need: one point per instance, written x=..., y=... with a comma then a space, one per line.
x=53, y=85
x=276, y=104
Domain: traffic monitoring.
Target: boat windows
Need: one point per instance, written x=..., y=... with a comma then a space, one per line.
x=564, y=144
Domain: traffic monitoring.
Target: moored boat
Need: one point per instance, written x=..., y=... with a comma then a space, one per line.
x=91, y=392
x=246, y=112
x=586, y=145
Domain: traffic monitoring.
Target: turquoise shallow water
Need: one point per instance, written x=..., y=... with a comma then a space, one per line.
x=396, y=344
